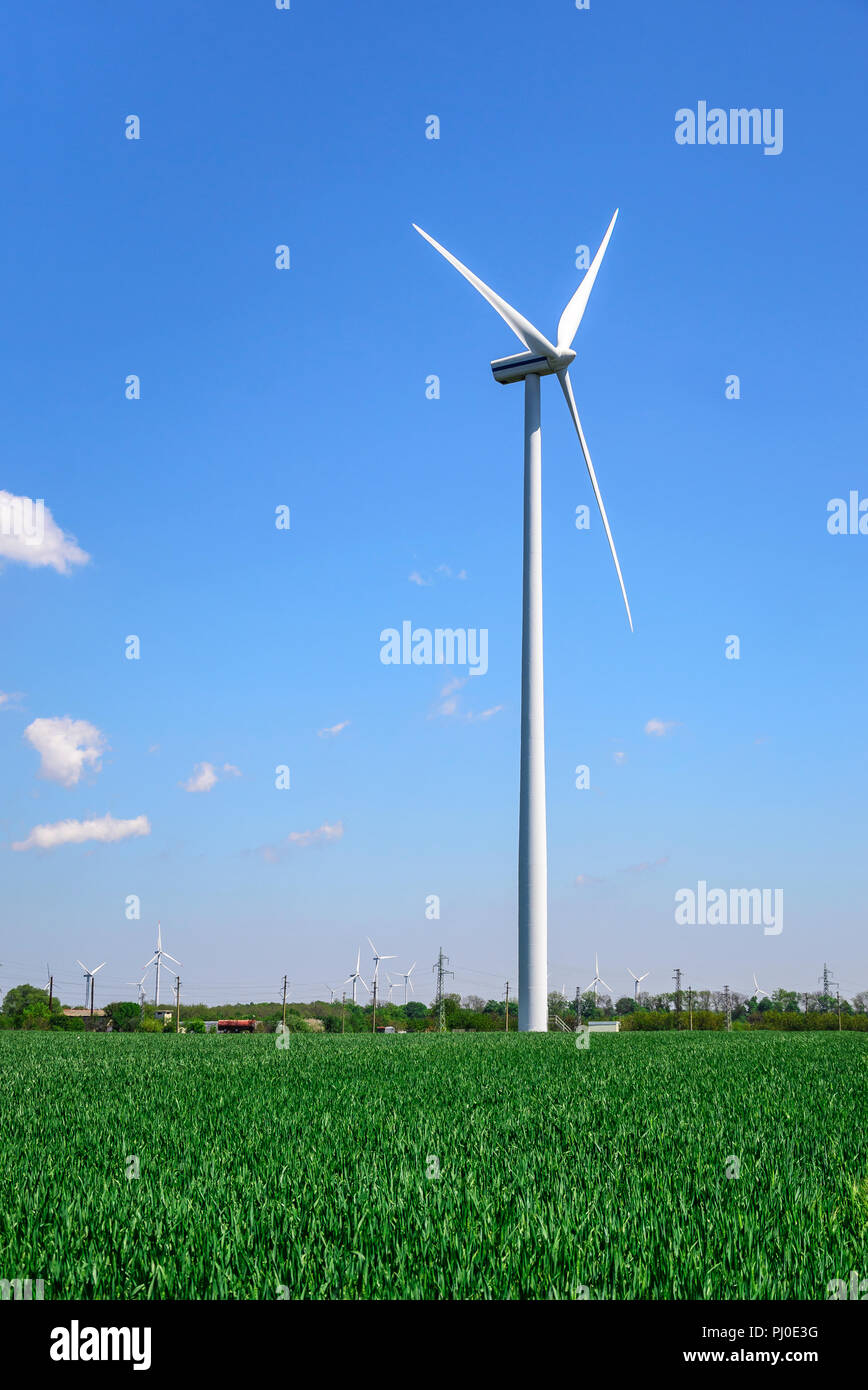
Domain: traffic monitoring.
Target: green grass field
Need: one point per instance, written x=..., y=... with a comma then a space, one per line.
x=558, y=1168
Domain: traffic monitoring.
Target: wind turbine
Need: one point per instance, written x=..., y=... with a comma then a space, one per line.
x=356, y=977
x=140, y=989
x=377, y=959
x=88, y=981
x=156, y=959
x=638, y=979
x=597, y=981
x=408, y=983
x=542, y=358
x=759, y=991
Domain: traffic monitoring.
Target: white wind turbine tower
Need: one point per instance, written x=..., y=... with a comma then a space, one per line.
x=542, y=358
x=597, y=981
x=638, y=979
x=140, y=988
x=356, y=977
x=405, y=976
x=156, y=959
x=88, y=981
x=377, y=959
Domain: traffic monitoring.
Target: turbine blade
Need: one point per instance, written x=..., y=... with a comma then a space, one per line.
x=150, y=963
x=410, y=971
x=168, y=957
x=372, y=946
x=83, y=966
x=608, y=987
x=358, y=961
x=572, y=315
x=99, y=967
x=523, y=330
x=567, y=388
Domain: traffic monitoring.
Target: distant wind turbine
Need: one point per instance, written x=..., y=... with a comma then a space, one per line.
x=597, y=981
x=408, y=983
x=541, y=358
x=88, y=981
x=638, y=979
x=759, y=992
x=356, y=977
x=156, y=959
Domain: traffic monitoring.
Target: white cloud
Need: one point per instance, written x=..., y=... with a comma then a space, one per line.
x=658, y=728
x=448, y=706
x=646, y=865
x=620, y=758
x=325, y=832
x=333, y=731
x=231, y=770
x=203, y=778
x=444, y=570
x=302, y=838
x=486, y=713
x=65, y=746
x=105, y=829
x=8, y=698
x=29, y=535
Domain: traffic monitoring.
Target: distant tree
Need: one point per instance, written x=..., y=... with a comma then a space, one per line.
x=625, y=1005
x=416, y=1009
x=860, y=1002
x=195, y=1025
x=557, y=1002
x=784, y=1001
x=21, y=997
x=36, y=1015
x=474, y=1002
x=125, y=1016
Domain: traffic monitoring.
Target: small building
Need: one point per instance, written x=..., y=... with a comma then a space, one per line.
x=164, y=1015
x=210, y=1025
x=100, y=1022
x=605, y=1025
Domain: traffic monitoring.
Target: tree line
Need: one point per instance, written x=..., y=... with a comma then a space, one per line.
x=29, y=1007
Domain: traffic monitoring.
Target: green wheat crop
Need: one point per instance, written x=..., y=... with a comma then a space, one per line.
x=426, y=1166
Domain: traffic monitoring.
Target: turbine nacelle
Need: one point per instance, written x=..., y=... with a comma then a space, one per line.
x=509, y=369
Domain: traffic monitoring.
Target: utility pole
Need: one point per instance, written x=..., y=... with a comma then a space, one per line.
x=825, y=984
x=50, y=992
x=91, y=1001
x=343, y=1007
x=374, y=1002
x=177, y=1003
x=676, y=975
x=727, y=1002
x=284, y=1003
x=690, y=1005
x=578, y=1009
x=839, y=1009
x=441, y=998
x=507, y=1006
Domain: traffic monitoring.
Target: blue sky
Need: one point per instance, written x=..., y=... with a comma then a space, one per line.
x=306, y=388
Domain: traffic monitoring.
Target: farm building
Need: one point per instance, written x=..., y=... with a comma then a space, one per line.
x=605, y=1025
